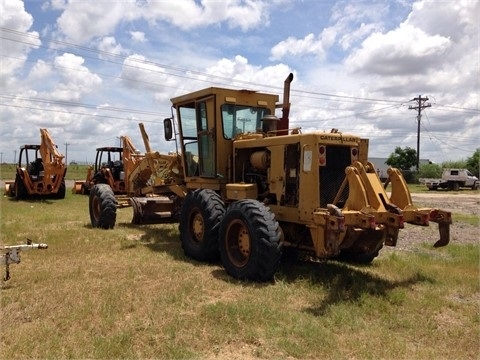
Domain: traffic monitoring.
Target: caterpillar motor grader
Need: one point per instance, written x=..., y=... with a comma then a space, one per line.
x=40, y=171
x=253, y=187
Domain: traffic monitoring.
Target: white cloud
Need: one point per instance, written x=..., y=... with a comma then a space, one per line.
x=84, y=20
x=405, y=50
x=17, y=40
x=189, y=14
x=108, y=46
x=138, y=36
x=298, y=47
x=77, y=80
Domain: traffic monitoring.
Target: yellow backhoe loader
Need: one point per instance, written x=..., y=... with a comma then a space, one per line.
x=40, y=171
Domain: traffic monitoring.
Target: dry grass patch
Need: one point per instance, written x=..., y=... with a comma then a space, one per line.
x=131, y=293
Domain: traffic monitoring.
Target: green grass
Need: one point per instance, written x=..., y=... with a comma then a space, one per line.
x=131, y=293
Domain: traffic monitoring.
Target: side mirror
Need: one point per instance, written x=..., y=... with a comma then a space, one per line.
x=168, y=128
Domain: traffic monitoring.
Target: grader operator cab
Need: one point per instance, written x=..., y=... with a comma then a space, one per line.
x=252, y=187
x=40, y=171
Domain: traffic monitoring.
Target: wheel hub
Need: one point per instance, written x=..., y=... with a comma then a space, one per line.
x=198, y=227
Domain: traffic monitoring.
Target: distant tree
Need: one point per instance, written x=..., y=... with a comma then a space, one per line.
x=404, y=159
x=473, y=163
x=458, y=164
x=430, y=171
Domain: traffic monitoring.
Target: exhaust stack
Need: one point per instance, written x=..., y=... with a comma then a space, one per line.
x=284, y=121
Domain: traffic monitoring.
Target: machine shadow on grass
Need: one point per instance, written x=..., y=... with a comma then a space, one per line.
x=35, y=200
x=344, y=282
x=160, y=239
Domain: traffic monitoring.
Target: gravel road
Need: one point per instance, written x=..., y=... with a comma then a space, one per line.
x=460, y=232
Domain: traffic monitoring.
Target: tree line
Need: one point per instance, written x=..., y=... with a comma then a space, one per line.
x=406, y=158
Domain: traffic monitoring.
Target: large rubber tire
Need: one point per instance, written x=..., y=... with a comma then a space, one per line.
x=363, y=254
x=103, y=207
x=21, y=192
x=201, y=213
x=61, y=191
x=250, y=241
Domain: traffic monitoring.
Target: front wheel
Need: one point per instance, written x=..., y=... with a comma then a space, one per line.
x=250, y=241
x=202, y=211
x=103, y=207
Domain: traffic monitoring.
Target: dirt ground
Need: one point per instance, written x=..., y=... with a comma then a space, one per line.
x=460, y=232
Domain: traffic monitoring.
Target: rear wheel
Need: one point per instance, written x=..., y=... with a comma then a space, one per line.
x=250, y=241
x=21, y=192
x=61, y=191
x=202, y=211
x=103, y=207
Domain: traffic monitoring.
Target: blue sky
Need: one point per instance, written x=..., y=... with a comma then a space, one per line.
x=90, y=71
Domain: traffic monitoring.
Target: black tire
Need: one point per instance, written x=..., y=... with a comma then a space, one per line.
x=201, y=213
x=61, y=191
x=365, y=249
x=84, y=189
x=21, y=192
x=250, y=241
x=103, y=207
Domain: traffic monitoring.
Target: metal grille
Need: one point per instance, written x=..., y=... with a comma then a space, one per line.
x=333, y=174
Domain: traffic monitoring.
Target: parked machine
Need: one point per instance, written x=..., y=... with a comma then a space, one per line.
x=40, y=171
x=109, y=168
x=252, y=186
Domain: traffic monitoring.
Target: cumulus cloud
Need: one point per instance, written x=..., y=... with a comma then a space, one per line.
x=236, y=13
x=138, y=36
x=297, y=47
x=405, y=50
x=350, y=23
x=108, y=46
x=82, y=21
x=76, y=79
x=17, y=40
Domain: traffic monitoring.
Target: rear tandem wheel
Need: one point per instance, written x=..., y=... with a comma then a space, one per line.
x=202, y=211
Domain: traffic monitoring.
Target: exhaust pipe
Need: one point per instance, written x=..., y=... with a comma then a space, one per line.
x=284, y=121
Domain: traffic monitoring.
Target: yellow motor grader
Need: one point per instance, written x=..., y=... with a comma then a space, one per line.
x=40, y=171
x=252, y=187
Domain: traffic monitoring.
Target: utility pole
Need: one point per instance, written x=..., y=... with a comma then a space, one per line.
x=66, y=153
x=421, y=104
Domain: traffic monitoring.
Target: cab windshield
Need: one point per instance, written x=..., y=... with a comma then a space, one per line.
x=239, y=119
